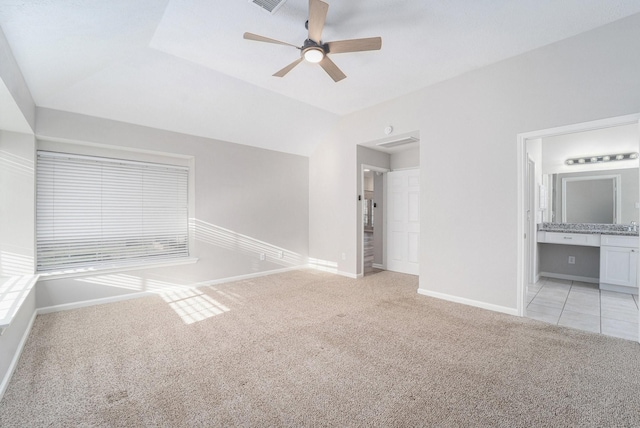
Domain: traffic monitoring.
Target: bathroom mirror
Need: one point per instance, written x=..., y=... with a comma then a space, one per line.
x=591, y=199
x=605, y=197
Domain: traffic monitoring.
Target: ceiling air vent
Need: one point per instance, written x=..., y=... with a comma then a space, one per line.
x=270, y=6
x=396, y=143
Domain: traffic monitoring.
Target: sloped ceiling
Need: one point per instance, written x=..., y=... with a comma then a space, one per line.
x=183, y=65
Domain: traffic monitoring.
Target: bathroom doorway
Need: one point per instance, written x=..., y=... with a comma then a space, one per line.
x=560, y=278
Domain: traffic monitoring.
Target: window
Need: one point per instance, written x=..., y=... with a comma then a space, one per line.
x=95, y=212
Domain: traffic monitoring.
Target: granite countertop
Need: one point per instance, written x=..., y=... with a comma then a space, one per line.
x=589, y=228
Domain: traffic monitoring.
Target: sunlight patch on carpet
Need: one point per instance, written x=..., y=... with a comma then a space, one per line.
x=193, y=305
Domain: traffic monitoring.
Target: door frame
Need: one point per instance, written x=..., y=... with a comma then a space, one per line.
x=523, y=252
x=531, y=218
x=360, y=219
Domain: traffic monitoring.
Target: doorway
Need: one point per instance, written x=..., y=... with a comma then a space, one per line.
x=375, y=161
x=541, y=206
x=373, y=219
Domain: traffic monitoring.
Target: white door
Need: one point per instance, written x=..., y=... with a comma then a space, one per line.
x=403, y=221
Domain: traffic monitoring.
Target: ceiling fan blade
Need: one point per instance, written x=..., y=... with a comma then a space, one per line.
x=355, y=45
x=317, y=16
x=288, y=68
x=332, y=69
x=257, y=38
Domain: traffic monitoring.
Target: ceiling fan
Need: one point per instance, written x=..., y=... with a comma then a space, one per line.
x=314, y=51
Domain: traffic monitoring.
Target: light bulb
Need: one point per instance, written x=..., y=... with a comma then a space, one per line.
x=594, y=159
x=313, y=55
x=633, y=156
x=606, y=158
x=569, y=161
x=580, y=160
x=619, y=157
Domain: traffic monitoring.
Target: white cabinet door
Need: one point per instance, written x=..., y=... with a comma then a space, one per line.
x=618, y=266
x=403, y=221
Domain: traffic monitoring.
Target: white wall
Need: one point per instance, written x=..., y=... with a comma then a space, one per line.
x=16, y=235
x=468, y=158
x=17, y=202
x=612, y=140
x=247, y=201
x=406, y=159
x=17, y=113
x=16, y=87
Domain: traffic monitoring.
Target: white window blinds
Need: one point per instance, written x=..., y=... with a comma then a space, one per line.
x=97, y=212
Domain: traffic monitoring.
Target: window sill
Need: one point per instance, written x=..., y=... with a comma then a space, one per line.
x=13, y=292
x=50, y=276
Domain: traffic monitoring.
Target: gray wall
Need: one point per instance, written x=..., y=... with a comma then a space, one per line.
x=247, y=201
x=469, y=157
x=555, y=259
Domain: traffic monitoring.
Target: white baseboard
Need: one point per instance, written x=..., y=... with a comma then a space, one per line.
x=570, y=277
x=92, y=302
x=348, y=275
x=333, y=270
x=464, y=301
x=16, y=356
x=122, y=297
x=619, y=288
x=248, y=276
x=378, y=266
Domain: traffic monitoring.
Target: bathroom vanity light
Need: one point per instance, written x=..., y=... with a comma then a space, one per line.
x=605, y=158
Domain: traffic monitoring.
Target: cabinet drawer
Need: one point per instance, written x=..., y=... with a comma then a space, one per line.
x=620, y=241
x=584, y=239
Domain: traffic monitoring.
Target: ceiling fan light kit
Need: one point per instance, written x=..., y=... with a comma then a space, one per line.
x=313, y=55
x=314, y=51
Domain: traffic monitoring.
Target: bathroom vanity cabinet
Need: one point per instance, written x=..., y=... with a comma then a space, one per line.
x=618, y=256
x=619, y=263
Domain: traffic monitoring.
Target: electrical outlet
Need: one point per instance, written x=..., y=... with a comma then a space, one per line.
x=281, y=254
x=263, y=256
x=572, y=260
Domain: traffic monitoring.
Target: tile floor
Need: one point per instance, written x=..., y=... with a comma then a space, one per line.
x=583, y=306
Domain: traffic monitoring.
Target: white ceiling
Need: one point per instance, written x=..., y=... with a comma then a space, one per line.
x=183, y=65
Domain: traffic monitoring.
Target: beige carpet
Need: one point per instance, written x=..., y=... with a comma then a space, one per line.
x=312, y=349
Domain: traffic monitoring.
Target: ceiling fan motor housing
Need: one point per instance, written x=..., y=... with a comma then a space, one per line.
x=312, y=44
